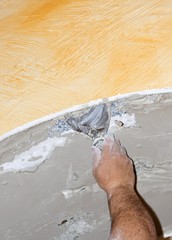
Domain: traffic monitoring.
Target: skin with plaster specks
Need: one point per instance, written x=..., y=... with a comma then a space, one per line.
x=113, y=171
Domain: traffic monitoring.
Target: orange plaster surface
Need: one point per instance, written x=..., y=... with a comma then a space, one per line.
x=56, y=54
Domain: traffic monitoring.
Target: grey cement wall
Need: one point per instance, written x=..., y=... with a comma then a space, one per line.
x=46, y=183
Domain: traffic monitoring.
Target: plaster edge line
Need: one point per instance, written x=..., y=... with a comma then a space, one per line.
x=77, y=108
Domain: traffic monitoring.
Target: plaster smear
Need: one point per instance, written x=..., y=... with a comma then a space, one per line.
x=124, y=120
x=74, y=192
x=30, y=160
x=77, y=226
x=168, y=232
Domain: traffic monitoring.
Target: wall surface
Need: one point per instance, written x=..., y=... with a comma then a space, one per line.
x=55, y=54
x=46, y=183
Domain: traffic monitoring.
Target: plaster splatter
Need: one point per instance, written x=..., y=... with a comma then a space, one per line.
x=30, y=160
x=124, y=120
x=77, y=226
x=69, y=193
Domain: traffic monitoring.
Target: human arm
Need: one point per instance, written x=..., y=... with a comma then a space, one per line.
x=113, y=171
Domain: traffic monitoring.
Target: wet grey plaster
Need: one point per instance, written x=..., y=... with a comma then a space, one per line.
x=60, y=199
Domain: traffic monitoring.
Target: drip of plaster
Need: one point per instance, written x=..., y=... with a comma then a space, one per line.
x=30, y=160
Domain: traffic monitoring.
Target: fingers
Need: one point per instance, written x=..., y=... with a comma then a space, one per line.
x=116, y=146
x=123, y=150
x=96, y=156
x=112, y=145
x=107, y=144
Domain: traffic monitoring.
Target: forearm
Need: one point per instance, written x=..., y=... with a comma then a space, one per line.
x=130, y=219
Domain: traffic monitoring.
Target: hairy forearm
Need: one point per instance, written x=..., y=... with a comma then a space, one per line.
x=130, y=219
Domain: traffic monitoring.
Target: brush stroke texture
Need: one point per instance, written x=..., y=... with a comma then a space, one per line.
x=55, y=54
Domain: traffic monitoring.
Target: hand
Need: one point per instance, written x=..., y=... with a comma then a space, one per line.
x=112, y=167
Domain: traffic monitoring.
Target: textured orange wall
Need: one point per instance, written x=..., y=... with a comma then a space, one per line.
x=55, y=54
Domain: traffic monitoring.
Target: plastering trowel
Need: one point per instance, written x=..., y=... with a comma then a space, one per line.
x=94, y=123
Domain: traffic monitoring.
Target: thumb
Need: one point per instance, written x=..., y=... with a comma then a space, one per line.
x=96, y=156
